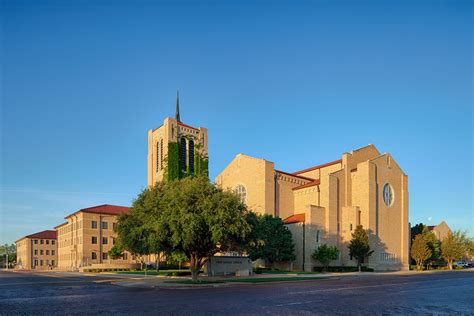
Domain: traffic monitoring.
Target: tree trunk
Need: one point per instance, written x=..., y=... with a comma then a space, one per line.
x=194, y=261
x=360, y=269
x=450, y=264
x=157, y=262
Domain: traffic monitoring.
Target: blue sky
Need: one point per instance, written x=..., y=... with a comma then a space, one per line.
x=297, y=83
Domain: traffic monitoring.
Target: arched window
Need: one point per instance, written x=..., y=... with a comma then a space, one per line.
x=241, y=192
x=161, y=154
x=182, y=154
x=191, y=156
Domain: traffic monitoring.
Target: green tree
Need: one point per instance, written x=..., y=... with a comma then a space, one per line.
x=454, y=247
x=189, y=215
x=359, y=247
x=417, y=229
x=269, y=240
x=420, y=251
x=324, y=254
x=433, y=244
x=9, y=250
x=176, y=257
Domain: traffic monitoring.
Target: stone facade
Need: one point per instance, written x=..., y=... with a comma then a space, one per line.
x=87, y=236
x=37, y=251
x=173, y=131
x=324, y=204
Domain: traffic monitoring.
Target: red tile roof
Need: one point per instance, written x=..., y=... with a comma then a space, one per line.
x=104, y=209
x=188, y=126
x=45, y=234
x=319, y=167
x=307, y=185
x=297, y=218
x=294, y=175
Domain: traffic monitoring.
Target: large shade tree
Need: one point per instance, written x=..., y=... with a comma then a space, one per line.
x=420, y=251
x=189, y=215
x=455, y=246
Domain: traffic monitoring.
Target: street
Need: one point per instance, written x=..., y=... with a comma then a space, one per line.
x=449, y=292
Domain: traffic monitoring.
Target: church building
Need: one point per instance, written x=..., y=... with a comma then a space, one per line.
x=320, y=205
x=325, y=203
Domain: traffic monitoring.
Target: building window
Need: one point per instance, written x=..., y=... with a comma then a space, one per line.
x=94, y=256
x=125, y=256
x=41, y=241
x=36, y=241
x=36, y=262
x=161, y=156
x=52, y=263
x=94, y=240
x=47, y=262
x=317, y=236
x=41, y=262
x=105, y=256
x=182, y=154
x=104, y=225
x=47, y=242
x=94, y=224
x=157, y=156
x=350, y=227
x=47, y=252
x=53, y=252
x=104, y=240
x=41, y=252
x=36, y=252
x=191, y=156
x=53, y=242
x=387, y=194
x=241, y=192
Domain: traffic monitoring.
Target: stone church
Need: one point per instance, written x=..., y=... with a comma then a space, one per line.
x=320, y=204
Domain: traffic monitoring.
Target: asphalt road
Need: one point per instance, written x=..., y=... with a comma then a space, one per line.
x=442, y=293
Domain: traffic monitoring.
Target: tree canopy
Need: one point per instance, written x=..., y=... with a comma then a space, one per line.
x=455, y=246
x=420, y=251
x=269, y=239
x=189, y=215
x=324, y=254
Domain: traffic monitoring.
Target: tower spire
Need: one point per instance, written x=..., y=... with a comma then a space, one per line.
x=177, y=106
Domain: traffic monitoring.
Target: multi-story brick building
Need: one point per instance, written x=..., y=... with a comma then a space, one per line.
x=37, y=251
x=87, y=236
x=325, y=203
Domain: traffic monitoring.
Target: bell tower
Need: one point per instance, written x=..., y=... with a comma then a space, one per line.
x=176, y=150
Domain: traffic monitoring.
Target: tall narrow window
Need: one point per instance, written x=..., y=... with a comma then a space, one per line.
x=191, y=156
x=161, y=154
x=182, y=154
x=157, y=156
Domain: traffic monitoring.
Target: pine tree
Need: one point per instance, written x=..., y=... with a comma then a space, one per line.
x=359, y=247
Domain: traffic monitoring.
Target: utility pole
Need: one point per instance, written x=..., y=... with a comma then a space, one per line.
x=6, y=264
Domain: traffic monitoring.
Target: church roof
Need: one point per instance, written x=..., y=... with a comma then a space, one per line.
x=294, y=175
x=296, y=218
x=307, y=185
x=188, y=126
x=319, y=166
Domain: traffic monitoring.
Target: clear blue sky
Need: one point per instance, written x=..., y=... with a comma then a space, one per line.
x=297, y=83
